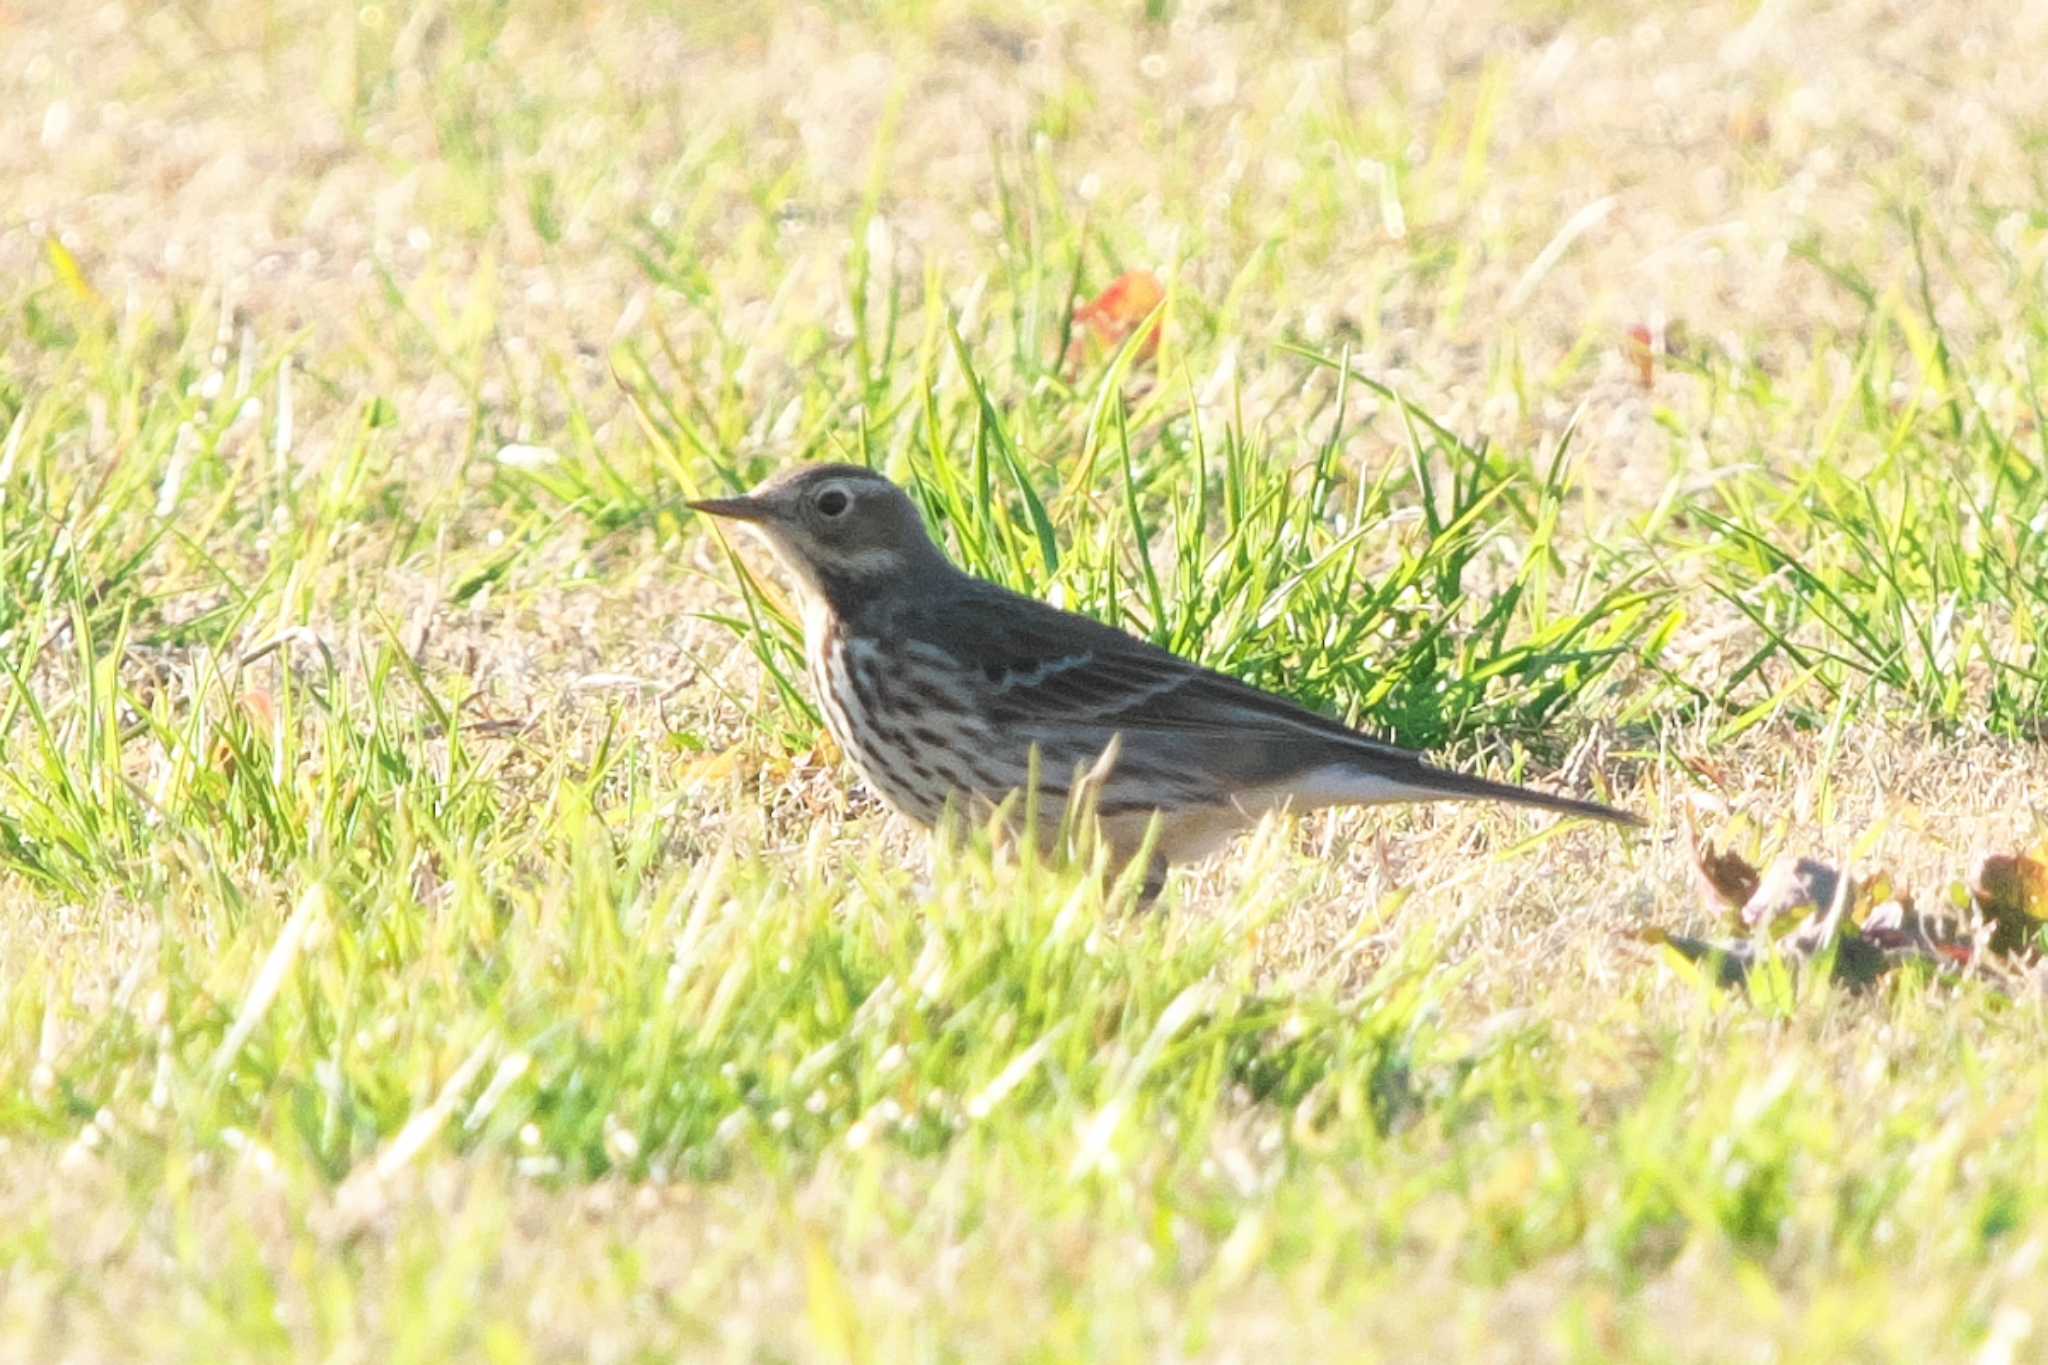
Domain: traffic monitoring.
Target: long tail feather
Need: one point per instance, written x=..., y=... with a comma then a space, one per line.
x=1372, y=783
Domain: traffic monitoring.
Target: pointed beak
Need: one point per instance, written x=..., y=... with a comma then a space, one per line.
x=739, y=509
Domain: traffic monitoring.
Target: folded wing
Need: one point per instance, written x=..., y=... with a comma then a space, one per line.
x=1068, y=684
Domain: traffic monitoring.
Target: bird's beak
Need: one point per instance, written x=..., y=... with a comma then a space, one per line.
x=739, y=509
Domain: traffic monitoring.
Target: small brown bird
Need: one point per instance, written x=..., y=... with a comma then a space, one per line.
x=938, y=684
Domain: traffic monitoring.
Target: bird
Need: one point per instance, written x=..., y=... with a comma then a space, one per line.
x=939, y=686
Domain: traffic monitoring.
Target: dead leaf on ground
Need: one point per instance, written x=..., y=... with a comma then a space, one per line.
x=1804, y=909
x=1727, y=881
x=1791, y=890
x=2011, y=891
x=1641, y=350
x=1111, y=316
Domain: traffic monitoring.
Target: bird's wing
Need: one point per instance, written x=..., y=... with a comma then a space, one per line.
x=1069, y=684
x=1034, y=664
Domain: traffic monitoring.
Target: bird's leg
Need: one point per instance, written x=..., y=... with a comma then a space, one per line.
x=1155, y=882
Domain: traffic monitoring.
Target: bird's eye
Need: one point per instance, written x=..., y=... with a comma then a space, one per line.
x=832, y=502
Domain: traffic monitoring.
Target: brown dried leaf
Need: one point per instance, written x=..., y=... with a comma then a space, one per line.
x=2012, y=885
x=1727, y=880
x=1869, y=923
x=2010, y=890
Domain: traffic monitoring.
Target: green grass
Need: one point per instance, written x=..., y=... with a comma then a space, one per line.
x=1899, y=568
x=435, y=928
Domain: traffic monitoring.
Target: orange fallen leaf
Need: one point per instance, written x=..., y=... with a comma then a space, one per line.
x=260, y=709
x=1642, y=352
x=1117, y=311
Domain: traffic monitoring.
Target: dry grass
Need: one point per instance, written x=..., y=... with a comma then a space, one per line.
x=287, y=280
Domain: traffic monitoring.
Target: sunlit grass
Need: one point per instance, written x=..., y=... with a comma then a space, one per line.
x=435, y=927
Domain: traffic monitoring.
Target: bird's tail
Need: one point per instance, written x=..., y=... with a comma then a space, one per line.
x=1380, y=781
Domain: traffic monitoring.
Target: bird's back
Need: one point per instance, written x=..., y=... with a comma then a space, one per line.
x=1189, y=735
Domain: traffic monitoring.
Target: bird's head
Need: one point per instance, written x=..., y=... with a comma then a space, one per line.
x=840, y=528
